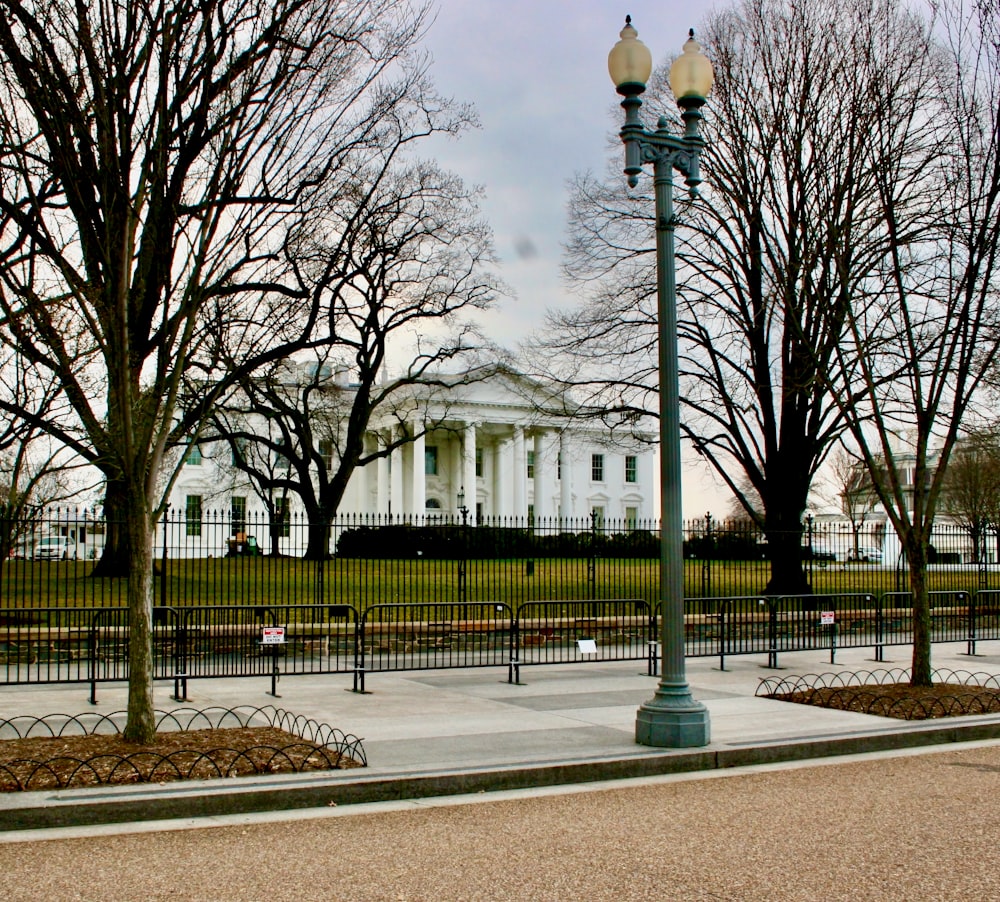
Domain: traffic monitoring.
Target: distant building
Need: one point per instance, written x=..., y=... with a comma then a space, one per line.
x=485, y=444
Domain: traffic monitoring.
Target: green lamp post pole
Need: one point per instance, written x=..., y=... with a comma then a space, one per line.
x=672, y=718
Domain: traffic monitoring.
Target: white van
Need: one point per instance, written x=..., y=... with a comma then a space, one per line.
x=55, y=548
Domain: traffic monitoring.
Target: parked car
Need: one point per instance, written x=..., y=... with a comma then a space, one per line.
x=55, y=548
x=867, y=554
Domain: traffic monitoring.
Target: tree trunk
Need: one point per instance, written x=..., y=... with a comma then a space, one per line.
x=920, y=670
x=115, y=558
x=141, y=723
x=784, y=503
x=318, y=543
x=787, y=575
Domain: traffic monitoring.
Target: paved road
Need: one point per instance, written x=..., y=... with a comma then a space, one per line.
x=910, y=826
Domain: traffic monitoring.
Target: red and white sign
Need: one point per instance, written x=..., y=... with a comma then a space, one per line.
x=273, y=635
x=826, y=618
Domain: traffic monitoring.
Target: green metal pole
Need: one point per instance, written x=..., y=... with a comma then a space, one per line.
x=672, y=718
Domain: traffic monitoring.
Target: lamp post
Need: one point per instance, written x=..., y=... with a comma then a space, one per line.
x=672, y=718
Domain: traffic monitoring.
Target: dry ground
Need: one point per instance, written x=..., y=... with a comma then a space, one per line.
x=902, y=700
x=47, y=762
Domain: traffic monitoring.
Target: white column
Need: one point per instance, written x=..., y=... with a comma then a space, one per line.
x=362, y=480
x=469, y=466
x=544, y=468
x=396, y=481
x=520, y=495
x=418, y=484
x=501, y=478
x=565, y=478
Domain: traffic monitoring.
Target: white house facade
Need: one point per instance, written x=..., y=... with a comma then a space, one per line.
x=482, y=445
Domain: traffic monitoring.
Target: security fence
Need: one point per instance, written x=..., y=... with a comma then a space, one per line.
x=365, y=561
x=90, y=645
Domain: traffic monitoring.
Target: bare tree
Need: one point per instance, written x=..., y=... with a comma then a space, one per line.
x=402, y=257
x=36, y=470
x=971, y=491
x=852, y=490
x=156, y=160
x=770, y=257
x=925, y=335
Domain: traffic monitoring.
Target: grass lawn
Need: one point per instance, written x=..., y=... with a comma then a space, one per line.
x=364, y=582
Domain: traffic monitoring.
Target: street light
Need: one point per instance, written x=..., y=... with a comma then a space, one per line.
x=672, y=718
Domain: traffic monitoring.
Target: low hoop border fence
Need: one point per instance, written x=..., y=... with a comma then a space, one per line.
x=860, y=691
x=90, y=645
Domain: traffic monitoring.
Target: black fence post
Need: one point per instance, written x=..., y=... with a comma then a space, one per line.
x=514, y=668
x=592, y=562
x=92, y=656
x=359, y=653
x=971, y=614
x=706, y=560
x=181, y=655
x=723, y=626
x=772, y=633
x=879, y=627
x=163, y=559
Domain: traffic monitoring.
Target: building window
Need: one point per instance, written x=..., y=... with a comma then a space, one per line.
x=239, y=449
x=193, y=456
x=431, y=460
x=238, y=513
x=631, y=468
x=597, y=467
x=326, y=452
x=597, y=516
x=531, y=515
x=531, y=465
x=281, y=516
x=281, y=462
x=479, y=461
x=192, y=514
x=631, y=517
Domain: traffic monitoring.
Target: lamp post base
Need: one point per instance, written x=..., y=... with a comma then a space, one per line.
x=672, y=719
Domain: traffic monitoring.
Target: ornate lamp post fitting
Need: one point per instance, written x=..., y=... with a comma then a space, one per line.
x=672, y=718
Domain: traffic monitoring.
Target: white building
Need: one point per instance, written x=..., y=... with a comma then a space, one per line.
x=485, y=441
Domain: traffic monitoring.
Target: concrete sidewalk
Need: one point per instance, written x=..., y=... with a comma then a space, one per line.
x=430, y=733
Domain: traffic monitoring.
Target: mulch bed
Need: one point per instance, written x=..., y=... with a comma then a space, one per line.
x=901, y=700
x=39, y=763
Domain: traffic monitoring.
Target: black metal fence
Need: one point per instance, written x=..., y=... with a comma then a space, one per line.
x=88, y=645
x=218, y=561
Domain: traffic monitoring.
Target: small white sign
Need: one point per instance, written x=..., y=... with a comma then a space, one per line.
x=826, y=618
x=273, y=635
x=587, y=646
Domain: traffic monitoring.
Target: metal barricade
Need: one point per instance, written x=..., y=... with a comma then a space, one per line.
x=434, y=635
x=558, y=632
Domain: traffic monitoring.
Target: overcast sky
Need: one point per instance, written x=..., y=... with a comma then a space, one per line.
x=537, y=74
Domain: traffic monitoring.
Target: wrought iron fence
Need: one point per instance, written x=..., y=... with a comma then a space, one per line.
x=215, y=560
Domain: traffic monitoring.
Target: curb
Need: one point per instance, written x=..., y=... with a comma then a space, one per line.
x=207, y=798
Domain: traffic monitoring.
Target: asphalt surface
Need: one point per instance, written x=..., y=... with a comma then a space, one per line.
x=908, y=815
